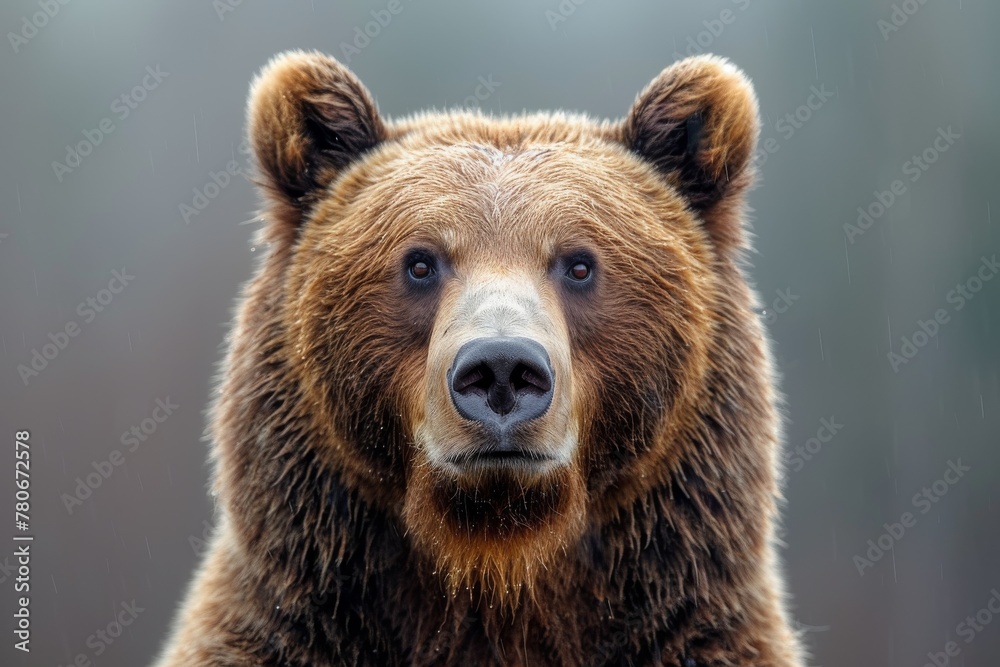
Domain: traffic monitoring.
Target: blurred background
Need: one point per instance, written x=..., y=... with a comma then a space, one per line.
x=124, y=241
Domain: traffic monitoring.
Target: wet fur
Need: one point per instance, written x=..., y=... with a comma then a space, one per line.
x=334, y=545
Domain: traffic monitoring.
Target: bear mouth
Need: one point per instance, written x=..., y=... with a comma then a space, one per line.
x=515, y=458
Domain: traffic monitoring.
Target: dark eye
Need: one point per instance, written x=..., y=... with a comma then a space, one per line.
x=420, y=269
x=579, y=271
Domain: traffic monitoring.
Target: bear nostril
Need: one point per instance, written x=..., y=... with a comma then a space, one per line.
x=525, y=378
x=501, y=379
x=477, y=380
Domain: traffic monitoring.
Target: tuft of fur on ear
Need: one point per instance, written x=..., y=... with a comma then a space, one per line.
x=308, y=118
x=698, y=123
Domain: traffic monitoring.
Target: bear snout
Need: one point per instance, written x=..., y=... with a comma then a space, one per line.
x=501, y=382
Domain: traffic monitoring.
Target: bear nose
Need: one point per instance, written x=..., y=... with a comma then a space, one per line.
x=501, y=381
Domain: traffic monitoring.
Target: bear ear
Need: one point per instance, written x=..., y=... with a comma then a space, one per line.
x=308, y=118
x=698, y=122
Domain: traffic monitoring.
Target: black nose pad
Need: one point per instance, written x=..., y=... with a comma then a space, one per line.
x=501, y=381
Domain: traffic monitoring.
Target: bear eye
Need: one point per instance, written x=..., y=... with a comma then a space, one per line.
x=579, y=271
x=420, y=270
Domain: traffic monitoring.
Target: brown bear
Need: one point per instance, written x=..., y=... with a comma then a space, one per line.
x=498, y=394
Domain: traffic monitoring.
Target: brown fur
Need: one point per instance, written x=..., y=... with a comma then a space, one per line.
x=343, y=539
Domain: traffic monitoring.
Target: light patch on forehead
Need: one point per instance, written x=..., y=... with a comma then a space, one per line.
x=500, y=157
x=488, y=203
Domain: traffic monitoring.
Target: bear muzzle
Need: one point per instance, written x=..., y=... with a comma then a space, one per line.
x=501, y=384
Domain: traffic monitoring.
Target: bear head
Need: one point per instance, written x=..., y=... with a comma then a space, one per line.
x=495, y=331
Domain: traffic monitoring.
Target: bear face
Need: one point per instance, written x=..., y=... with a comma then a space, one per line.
x=499, y=322
x=497, y=394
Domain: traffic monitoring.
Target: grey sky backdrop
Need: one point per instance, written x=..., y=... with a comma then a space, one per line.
x=922, y=83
